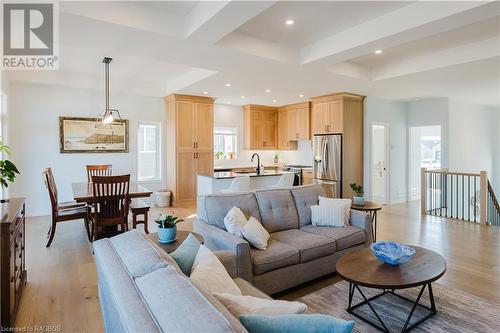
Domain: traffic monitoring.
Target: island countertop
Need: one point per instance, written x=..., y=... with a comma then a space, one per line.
x=230, y=174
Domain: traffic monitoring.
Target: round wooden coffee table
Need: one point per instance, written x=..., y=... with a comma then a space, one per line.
x=362, y=268
x=179, y=238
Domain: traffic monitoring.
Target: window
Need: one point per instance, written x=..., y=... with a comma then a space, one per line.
x=225, y=143
x=149, y=151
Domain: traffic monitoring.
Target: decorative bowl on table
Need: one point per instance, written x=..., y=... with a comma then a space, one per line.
x=392, y=253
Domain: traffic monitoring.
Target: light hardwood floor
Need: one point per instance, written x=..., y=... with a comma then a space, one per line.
x=62, y=280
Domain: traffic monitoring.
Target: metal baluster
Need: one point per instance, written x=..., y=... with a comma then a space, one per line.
x=475, y=199
x=463, y=196
x=468, y=198
x=451, y=196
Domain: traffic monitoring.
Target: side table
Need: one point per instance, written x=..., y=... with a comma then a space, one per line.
x=179, y=238
x=371, y=208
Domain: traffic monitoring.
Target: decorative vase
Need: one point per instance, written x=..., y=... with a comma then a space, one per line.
x=167, y=235
x=360, y=201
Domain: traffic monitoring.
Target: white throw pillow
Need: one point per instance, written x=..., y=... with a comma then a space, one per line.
x=327, y=216
x=341, y=206
x=209, y=275
x=240, y=305
x=255, y=234
x=234, y=221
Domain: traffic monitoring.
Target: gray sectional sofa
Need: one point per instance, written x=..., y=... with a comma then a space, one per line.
x=297, y=251
x=141, y=289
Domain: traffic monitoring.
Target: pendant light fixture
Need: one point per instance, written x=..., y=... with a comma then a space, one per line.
x=108, y=116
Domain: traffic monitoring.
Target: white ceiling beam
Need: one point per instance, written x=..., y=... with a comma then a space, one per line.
x=411, y=22
x=462, y=54
x=209, y=22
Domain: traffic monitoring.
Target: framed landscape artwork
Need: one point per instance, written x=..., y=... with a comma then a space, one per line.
x=80, y=135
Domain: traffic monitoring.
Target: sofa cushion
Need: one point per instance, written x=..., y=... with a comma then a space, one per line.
x=310, y=246
x=137, y=255
x=214, y=207
x=178, y=306
x=305, y=197
x=344, y=236
x=277, y=210
x=277, y=255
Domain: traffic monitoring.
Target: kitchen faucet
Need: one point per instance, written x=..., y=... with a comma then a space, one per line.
x=258, y=162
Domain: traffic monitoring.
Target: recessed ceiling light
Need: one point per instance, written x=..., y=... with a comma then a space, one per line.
x=379, y=52
x=228, y=84
x=228, y=102
x=205, y=93
x=289, y=22
x=274, y=101
x=268, y=90
x=243, y=97
x=301, y=95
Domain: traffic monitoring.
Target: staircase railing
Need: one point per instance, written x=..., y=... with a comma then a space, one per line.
x=459, y=195
x=493, y=207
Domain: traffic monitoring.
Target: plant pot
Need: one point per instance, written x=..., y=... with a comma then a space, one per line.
x=167, y=235
x=360, y=201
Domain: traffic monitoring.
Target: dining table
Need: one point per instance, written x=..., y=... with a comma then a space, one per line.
x=82, y=192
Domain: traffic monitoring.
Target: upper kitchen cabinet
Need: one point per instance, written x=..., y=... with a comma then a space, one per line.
x=298, y=121
x=284, y=142
x=328, y=112
x=189, y=143
x=261, y=127
x=342, y=113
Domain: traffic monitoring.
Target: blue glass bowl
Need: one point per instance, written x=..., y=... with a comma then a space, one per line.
x=392, y=253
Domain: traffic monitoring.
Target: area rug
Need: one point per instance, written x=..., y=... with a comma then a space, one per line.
x=458, y=311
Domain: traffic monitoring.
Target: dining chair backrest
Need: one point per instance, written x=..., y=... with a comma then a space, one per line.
x=111, y=199
x=239, y=184
x=50, y=184
x=285, y=181
x=99, y=170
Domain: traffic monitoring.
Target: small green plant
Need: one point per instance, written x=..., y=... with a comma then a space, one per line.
x=167, y=221
x=358, y=189
x=276, y=156
x=220, y=155
x=8, y=170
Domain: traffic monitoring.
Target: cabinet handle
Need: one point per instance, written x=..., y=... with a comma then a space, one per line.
x=196, y=144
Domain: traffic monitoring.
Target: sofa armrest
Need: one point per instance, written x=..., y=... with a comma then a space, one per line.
x=363, y=221
x=220, y=240
x=228, y=259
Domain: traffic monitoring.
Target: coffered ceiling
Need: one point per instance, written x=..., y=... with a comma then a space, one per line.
x=429, y=48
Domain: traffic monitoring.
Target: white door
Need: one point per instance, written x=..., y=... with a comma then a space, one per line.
x=379, y=156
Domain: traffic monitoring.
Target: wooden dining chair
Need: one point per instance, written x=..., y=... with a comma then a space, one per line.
x=99, y=170
x=64, y=211
x=110, y=204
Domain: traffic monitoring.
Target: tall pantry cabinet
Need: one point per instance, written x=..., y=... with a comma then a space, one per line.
x=342, y=113
x=189, y=143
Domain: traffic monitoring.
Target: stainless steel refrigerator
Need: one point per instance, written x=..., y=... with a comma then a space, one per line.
x=327, y=163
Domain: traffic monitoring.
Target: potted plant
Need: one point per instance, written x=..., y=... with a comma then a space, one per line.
x=358, y=198
x=8, y=170
x=276, y=158
x=167, y=228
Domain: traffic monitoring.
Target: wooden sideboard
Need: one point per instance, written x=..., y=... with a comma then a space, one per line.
x=12, y=258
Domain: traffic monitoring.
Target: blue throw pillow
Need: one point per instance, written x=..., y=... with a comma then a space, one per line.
x=296, y=323
x=185, y=254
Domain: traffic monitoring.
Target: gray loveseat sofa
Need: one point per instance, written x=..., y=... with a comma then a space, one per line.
x=141, y=289
x=297, y=251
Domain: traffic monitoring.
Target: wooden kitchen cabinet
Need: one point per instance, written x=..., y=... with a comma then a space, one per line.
x=297, y=118
x=189, y=138
x=342, y=113
x=260, y=127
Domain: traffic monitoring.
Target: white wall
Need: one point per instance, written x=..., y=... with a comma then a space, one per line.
x=429, y=112
x=474, y=138
x=232, y=116
x=34, y=137
x=392, y=113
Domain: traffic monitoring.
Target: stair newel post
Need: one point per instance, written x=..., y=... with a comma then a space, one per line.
x=423, y=191
x=483, y=197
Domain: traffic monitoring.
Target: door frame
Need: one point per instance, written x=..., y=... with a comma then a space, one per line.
x=387, y=143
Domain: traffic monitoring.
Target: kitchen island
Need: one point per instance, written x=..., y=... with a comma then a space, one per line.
x=221, y=180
